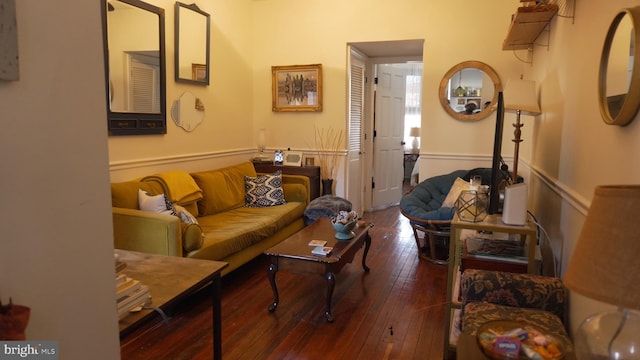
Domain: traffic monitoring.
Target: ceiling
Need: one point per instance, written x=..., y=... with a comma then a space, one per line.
x=390, y=48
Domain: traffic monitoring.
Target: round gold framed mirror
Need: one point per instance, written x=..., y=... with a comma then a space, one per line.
x=619, y=81
x=469, y=91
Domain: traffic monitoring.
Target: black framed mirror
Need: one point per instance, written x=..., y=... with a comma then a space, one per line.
x=619, y=81
x=135, y=67
x=192, y=36
x=469, y=91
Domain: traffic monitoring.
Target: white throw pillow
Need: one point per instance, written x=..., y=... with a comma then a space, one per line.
x=454, y=192
x=155, y=203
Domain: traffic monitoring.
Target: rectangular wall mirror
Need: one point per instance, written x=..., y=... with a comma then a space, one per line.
x=192, y=44
x=134, y=67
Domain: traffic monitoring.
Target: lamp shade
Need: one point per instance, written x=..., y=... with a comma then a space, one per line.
x=414, y=131
x=605, y=264
x=521, y=95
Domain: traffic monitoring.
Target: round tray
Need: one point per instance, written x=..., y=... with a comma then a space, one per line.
x=503, y=339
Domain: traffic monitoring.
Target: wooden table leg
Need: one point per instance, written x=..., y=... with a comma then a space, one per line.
x=273, y=268
x=217, y=317
x=367, y=245
x=331, y=283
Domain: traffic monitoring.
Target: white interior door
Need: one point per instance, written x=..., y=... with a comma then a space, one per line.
x=355, y=168
x=389, y=132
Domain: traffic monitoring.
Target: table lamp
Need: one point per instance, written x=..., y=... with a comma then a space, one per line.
x=520, y=98
x=605, y=266
x=415, y=144
x=262, y=144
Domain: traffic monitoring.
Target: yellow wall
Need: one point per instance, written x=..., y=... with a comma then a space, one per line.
x=573, y=150
x=228, y=123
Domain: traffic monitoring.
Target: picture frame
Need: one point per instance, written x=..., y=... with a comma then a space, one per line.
x=309, y=161
x=292, y=158
x=296, y=88
x=199, y=72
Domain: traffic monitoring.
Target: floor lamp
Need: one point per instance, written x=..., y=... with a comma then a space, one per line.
x=605, y=267
x=520, y=98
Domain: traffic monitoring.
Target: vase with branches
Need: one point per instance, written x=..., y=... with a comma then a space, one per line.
x=328, y=143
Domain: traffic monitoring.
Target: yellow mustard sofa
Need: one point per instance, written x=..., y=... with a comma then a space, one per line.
x=225, y=230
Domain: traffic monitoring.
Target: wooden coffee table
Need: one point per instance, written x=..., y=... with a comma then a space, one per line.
x=294, y=254
x=171, y=279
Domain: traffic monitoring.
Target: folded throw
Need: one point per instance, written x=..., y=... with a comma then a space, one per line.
x=182, y=188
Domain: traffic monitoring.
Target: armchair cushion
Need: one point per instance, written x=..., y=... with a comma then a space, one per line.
x=516, y=290
x=532, y=299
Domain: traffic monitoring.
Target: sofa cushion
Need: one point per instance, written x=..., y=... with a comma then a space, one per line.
x=231, y=231
x=264, y=190
x=222, y=189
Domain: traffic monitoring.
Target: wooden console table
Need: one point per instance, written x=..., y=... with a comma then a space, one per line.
x=312, y=172
x=171, y=279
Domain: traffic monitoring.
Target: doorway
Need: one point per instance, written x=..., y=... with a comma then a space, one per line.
x=387, y=108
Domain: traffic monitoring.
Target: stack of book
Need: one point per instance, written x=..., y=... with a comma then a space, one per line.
x=130, y=293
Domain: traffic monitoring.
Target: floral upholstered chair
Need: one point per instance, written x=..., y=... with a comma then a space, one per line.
x=532, y=299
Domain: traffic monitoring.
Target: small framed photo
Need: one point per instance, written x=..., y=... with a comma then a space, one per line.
x=292, y=158
x=309, y=161
x=296, y=88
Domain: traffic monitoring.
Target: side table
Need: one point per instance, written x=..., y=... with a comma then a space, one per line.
x=171, y=279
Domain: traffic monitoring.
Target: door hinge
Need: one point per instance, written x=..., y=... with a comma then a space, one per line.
x=375, y=80
x=373, y=184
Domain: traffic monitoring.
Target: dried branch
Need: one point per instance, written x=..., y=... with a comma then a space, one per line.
x=328, y=143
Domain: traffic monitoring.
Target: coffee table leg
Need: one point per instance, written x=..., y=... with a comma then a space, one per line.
x=273, y=268
x=367, y=245
x=331, y=284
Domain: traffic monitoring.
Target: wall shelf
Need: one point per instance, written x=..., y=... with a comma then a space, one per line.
x=527, y=24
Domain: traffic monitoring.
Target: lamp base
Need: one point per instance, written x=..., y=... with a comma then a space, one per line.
x=611, y=335
x=415, y=145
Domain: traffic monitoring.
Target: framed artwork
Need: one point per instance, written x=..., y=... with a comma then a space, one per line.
x=199, y=72
x=296, y=88
x=461, y=101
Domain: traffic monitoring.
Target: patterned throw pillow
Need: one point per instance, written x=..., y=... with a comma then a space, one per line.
x=184, y=215
x=264, y=190
x=155, y=203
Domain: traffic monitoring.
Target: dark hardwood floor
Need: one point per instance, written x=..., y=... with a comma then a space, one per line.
x=396, y=311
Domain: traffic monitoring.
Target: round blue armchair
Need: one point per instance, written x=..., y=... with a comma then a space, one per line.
x=422, y=205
